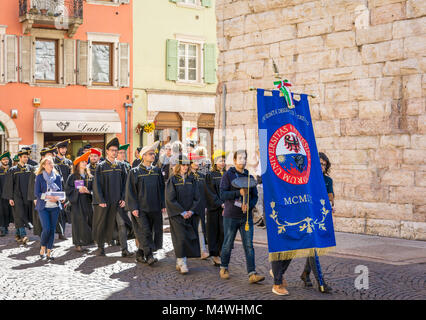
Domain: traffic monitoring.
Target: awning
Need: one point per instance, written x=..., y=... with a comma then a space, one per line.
x=78, y=121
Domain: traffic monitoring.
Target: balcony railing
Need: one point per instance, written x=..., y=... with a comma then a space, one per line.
x=60, y=14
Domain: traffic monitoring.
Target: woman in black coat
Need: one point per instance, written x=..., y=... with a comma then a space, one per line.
x=79, y=193
x=182, y=200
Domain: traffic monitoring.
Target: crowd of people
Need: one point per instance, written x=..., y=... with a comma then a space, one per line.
x=108, y=202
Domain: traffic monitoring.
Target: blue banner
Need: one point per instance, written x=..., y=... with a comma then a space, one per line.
x=297, y=208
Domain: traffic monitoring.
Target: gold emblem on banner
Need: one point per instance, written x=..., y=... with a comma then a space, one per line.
x=307, y=224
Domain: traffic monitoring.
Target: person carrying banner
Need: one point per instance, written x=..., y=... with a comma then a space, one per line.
x=16, y=191
x=5, y=208
x=236, y=215
x=108, y=196
x=65, y=166
x=215, y=206
x=310, y=264
x=201, y=209
x=182, y=200
x=145, y=200
x=79, y=188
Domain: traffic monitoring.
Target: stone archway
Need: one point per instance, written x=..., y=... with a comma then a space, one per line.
x=12, y=139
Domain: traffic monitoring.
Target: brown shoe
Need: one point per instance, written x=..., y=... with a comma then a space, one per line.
x=25, y=240
x=256, y=278
x=216, y=261
x=280, y=290
x=204, y=255
x=285, y=284
x=224, y=273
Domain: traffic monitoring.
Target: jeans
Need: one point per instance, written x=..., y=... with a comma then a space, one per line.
x=230, y=227
x=21, y=232
x=278, y=269
x=48, y=219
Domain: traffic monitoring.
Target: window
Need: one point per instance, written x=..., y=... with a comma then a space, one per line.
x=188, y=62
x=190, y=1
x=46, y=63
x=102, y=63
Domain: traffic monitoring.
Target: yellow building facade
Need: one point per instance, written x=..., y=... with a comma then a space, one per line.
x=175, y=82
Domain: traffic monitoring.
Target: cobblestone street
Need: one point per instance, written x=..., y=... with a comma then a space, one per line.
x=74, y=275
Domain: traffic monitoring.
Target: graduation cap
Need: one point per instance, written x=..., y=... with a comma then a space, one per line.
x=243, y=183
x=94, y=151
x=219, y=154
x=15, y=158
x=182, y=159
x=63, y=144
x=83, y=157
x=5, y=155
x=113, y=143
x=46, y=150
x=87, y=146
x=23, y=152
x=27, y=148
x=124, y=147
x=139, y=149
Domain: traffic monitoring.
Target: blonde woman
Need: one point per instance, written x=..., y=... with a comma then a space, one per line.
x=47, y=179
x=182, y=200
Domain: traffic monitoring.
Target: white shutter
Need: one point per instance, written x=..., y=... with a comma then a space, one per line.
x=124, y=65
x=69, y=62
x=115, y=67
x=82, y=62
x=26, y=59
x=1, y=58
x=11, y=58
x=124, y=1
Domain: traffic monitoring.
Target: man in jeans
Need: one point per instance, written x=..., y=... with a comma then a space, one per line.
x=235, y=217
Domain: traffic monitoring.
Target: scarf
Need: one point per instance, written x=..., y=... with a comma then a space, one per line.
x=50, y=180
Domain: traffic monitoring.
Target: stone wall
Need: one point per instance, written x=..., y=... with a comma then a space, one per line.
x=365, y=61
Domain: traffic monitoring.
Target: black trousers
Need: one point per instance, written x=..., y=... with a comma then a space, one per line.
x=149, y=231
x=122, y=231
x=22, y=212
x=5, y=212
x=278, y=269
x=215, y=233
x=310, y=265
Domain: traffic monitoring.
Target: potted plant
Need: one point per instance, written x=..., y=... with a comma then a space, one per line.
x=33, y=10
x=43, y=11
x=146, y=127
x=50, y=14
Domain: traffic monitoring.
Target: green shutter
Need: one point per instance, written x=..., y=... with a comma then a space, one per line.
x=174, y=1
x=209, y=63
x=206, y=3
x=172, y=60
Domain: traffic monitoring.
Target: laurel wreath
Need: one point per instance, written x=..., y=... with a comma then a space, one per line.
x=307, y=224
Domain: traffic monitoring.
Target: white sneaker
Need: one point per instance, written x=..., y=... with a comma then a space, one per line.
x=184, y=269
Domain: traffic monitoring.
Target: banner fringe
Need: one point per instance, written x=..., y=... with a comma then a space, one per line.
x=299, y=253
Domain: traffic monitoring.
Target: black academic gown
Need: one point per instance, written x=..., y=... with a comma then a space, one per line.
x=109, y=188
x=81, y=210
x=202, y=189
x=65, y=166
x=16, y=189
x=182, y=195
x=214, y=218
x=136, y=162
x=124, y=214
x=145, y=192
x=92, y=168
x=5, y=208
